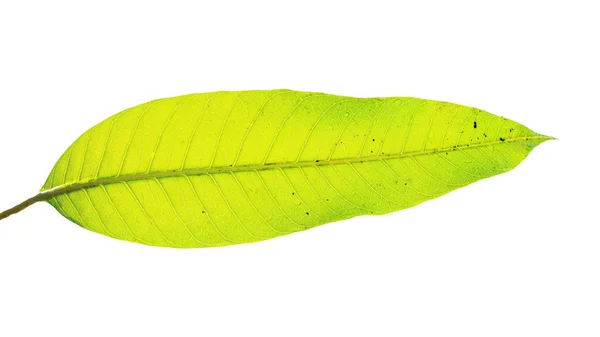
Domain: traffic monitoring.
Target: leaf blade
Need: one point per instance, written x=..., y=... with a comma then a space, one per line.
x=232, y=167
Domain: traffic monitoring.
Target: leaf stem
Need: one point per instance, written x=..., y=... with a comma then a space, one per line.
x=23, y=205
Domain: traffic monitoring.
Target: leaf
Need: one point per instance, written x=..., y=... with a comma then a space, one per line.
x=222, y=168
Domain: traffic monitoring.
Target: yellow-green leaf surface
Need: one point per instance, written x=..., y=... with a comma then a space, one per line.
x=222, y=168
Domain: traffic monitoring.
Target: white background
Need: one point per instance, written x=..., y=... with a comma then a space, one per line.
x=514, y=255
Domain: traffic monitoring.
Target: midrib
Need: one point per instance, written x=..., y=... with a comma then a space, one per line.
x=75, y=186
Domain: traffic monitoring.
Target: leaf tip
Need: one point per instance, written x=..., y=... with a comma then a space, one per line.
x=544, y=138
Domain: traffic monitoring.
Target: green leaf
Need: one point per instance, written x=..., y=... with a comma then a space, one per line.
x=222, y=168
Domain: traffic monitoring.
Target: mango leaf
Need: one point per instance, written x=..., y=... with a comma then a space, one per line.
x=223, y=168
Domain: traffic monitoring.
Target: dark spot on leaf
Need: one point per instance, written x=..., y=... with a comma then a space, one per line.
x=307, y=213
x=316, y=161
x=475, y=125
x=326, y=199
x=502, y=139
x=485, y=135
x=373, y=139
x=405, y=184
x=293, y=193
x=203, y=211
x=511, y=130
